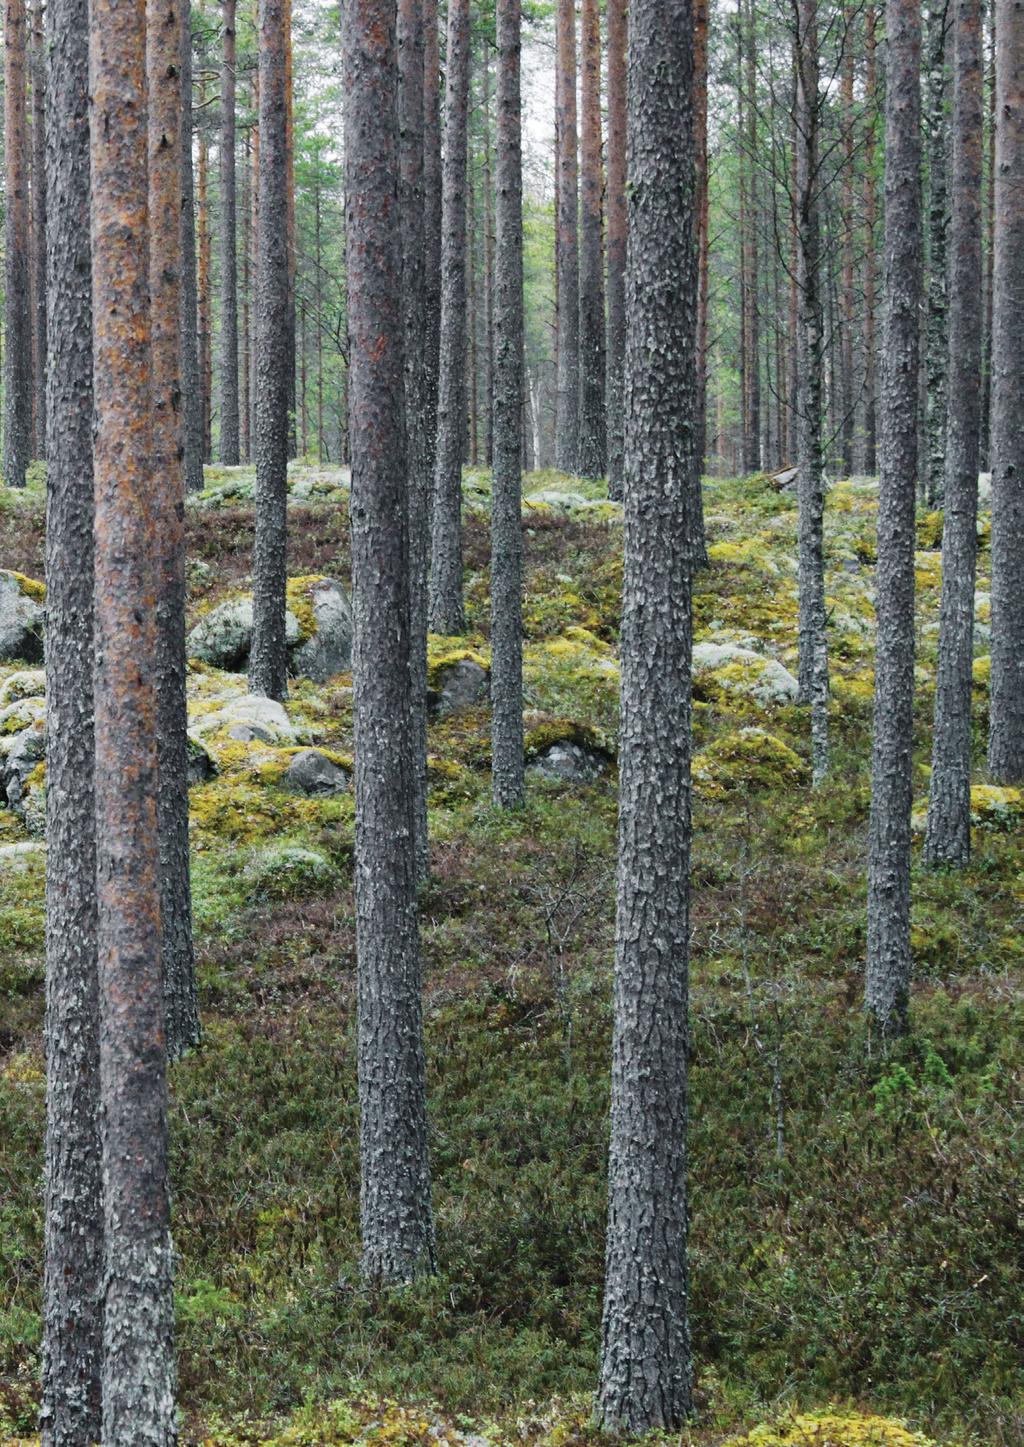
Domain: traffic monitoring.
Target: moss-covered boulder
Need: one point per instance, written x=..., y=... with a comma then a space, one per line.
x=724, y=671
x=281, y=871
x=21, y=617
x=318, y=631
x=832, y=1429
x=746, y=760
x=27, y=683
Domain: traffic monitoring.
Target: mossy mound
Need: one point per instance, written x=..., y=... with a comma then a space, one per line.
x=27, y=587
x=832, y=1429
x=748, y=759
x=996, y=807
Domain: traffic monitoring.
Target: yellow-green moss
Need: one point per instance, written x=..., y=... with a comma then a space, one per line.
x=747, y=759
x=299, y=602
x=981, y=673
x=832, y=1429
x=996, y=807
x=443, y=653
x=544, y=734
x=236, y=808
x=29, y=587
x=929, y=530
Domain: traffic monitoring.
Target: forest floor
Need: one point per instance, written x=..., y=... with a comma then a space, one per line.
x=857, y=1218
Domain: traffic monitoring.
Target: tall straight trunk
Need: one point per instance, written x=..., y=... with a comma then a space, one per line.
x=1006, y=706
x=846, y=418
x=445, y=603
x=268, y=658
x=289, y=334
x=645, y=1381
x=616, y=13
x=191, y=378
x=990, y=211
x=205, y=300
x=488, y=268
x=17, y=360
x=949, y=804
x=592, y=439
x=567, y=250
x=39, y=227
x=870, y=227
x=814, y=682
x=506, y=515
x=751, y=328
x=163, y=52
x=937, y=328
x=887, y=984
x=432, y=187
x=229, y=426
x=138, y=1307
x=245, y=335
x=254, y=229
x=472, y=319
x=319, y=298
x=700, y=90
x=418, y=458
x=72, y=1314
x=397, y=1225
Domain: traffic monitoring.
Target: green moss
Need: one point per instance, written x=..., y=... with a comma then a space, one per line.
x=748, y=759
x=544, y=734
x=233, y=808
x=443, y=653
x=832, y=1429
x=929, y=530
x=300, y=603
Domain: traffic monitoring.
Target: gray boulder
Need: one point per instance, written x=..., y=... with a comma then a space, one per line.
x=223, y=636
x=460, y=684
x=311, y=772
x=568, y=761
x=21, y=620
x=29, y=683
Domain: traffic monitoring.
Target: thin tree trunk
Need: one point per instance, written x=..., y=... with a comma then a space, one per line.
x=616, y=14
x=751, y=320
x=887, y=983
x=990, y=194
x=432, y=187
x=488, y=268
x=567, y=222
x=289, y=314
x=397, y=1226
x=229, y=426
x=506, y=516
x=245, y=336
x=17, y=359
x=446, y=608
x=700, y=83
x=1006, y=706
x=592, y=439
x=472, y=445
x=254, y=228
x=268, y=658
x=937, y=328
x=191, y=380
x=645, y=1380
x=72, y=1313
x=138, y=1307
x=205, y=312
x=949, y=805
x=39, y=228
x=870, y=227
x=846, y=392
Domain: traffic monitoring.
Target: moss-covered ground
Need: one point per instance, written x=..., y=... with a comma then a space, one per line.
x=857, y=1218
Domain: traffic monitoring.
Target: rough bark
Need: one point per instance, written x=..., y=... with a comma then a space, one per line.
x=645, y=1367
x=138, y=1344
x=870, y=226
x=751, y=318
x=617, y=23
x=949, y=804
x=191, y=382
x=592, y=439
x=1006, y=698
x=814, y=683
x=887, y=982
x=163, y=52
x=289, y=315
x=72, y=1314
x=395, y=1196
x=229, y=419
x=848, y=224
x=936, y=127
x=268, y=659
x=432, y=187
x=446, y=607
x=506, y=515
x=39, y=228
x=17, y=362
x=419, y=459
x=567, y=242
x=205, y=301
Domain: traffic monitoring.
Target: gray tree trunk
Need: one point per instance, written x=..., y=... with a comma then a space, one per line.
x=395, y=1196
x=420, y=458
x=191, y=383
x=506, y=514
x=432, y=187
x=949, y=804
x=936, y=129
x=645, y=1380
x=268, y=659
x=138, y=1335
x=567, y=259
x=1006, y=699
x=72, y=1312
x=446, y=605
x=592, y=439
x=39, y=225
x=229, y=418
x=814, y=682
x=887, y=983
x=17, y=362
x=617, y=21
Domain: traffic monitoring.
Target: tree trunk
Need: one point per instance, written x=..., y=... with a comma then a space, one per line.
x=870, y=227
x=751, y=320
x=205, y=306
x=244, y=334
x=846, y=403
x=949, y=804
x=446, y=609
x=1006, y=706
x=700, y=89
x=254, y=228
x=39, y=228
x=419, y=459
x=229, y=424
x=888, y=954
x=395, y=1198
x=990, y=211
x=191, y=380
x=138, y=1328
x=488, y=268
x=17, y=361
x=592, y=441
x=432, y=187
x=645, y=1365
x=937, y=130
x=289, y=315
x=72, y=1315
x=164, y=45
x=616, y=193
x=814, y=682
x=506, y=516
x=268, y=659
x=567, y=251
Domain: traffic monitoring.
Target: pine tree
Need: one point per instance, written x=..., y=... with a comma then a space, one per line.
x=616, y=15
x=17, y=319
x=592, y=458
x=229, y=420
x=567, y=241
x=191, y=383
x=39, y=228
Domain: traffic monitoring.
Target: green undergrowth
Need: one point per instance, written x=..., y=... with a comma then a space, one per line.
x=856, y=1213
